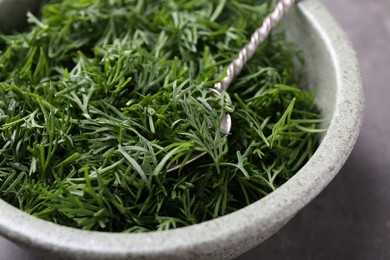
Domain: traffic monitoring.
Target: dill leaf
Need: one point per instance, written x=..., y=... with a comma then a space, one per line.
x=99, y=98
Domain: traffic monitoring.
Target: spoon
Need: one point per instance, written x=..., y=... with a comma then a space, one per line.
x=237, y=65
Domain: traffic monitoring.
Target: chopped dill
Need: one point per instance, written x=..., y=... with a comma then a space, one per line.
x=99, y=97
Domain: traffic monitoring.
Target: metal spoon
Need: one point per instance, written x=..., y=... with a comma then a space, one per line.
x=237, y=65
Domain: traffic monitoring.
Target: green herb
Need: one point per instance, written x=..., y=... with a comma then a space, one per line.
x=99, y=98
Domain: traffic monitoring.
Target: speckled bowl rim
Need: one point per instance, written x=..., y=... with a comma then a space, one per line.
x=250, y=221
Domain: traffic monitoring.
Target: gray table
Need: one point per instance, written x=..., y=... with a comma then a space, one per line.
x=351, y=218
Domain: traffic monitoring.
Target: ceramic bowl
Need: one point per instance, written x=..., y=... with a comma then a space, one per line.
x=334, y=75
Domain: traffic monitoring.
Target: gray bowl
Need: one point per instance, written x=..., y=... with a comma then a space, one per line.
x=333, y=73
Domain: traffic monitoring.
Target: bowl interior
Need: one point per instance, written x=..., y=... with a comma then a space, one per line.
x=13, y=13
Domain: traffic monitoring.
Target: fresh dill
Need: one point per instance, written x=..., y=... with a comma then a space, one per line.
x=99, y=97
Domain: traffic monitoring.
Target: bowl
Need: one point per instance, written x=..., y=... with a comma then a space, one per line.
x=332, y=72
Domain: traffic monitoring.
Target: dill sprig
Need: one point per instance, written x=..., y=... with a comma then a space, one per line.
x=99, y=98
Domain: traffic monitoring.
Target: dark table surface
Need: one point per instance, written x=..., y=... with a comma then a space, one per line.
x=350, y=219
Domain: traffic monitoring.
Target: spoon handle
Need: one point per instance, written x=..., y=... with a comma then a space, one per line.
x=257, y=37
